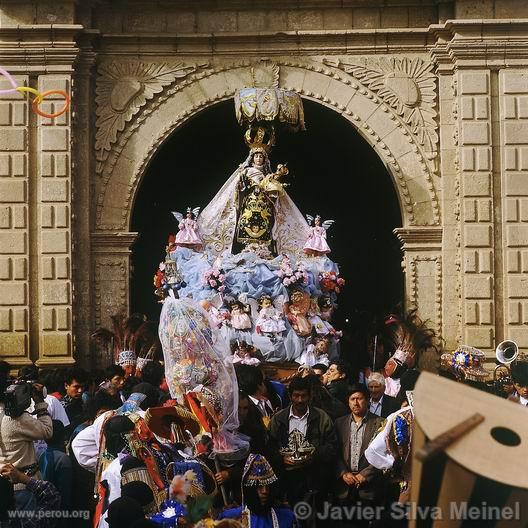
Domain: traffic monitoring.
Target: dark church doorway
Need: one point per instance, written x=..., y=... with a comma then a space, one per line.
x=334, y=172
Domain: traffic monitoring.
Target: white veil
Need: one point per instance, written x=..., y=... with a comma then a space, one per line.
x=217, y=222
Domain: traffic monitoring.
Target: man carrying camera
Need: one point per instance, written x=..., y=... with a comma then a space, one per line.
x=18, y=431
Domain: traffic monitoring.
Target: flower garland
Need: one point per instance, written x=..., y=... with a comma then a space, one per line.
x=214, y=278
x=330, y=281
x=292, y=277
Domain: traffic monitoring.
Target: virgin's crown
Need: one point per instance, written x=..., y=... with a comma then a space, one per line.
x=259, y=138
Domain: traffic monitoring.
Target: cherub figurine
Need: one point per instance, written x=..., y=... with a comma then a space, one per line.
x=270, y=321
x=316, y=243
x=188, y=235
x=240, y=319
x=296, y=310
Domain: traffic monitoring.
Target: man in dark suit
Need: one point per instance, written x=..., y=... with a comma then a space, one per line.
x=312, y=475
x=357, y=479
x=381, y=404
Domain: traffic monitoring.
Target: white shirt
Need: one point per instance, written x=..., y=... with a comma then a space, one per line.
x=55, y=409
x=264, y=406
x=299, y=423
x=523, y=401
x=392, y=386
x=112, y=475
x=85, y=445
x=375, y=407
x=56, y=412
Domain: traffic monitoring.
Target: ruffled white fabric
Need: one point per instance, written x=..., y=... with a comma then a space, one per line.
x=217, y=223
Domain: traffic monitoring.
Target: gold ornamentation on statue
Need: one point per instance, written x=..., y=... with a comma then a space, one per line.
x=256, y=220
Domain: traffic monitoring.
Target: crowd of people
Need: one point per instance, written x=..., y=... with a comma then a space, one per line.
x=104, y=431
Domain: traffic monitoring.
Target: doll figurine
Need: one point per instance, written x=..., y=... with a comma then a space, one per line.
x=269, y=321
x=212, y=307
x=296, y=310
x=188, y=235
x=321, y=326
x=316, y=244
x=245, y=354
x=316, y=352
x=240, y=319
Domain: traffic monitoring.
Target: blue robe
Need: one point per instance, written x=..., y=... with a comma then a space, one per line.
x=285, y=516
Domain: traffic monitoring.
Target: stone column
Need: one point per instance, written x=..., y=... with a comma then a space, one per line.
x=513, y=97
x=111, y=275
x=35, y=215
x=14, y=227
x=83, y=148
x=422, y=262
x=491, y=92
x=479, y=254
x=450, y=191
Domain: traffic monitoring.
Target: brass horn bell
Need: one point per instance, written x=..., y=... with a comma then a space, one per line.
x=506, y=352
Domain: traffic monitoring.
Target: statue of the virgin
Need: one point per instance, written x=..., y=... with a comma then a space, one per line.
x=252, y=209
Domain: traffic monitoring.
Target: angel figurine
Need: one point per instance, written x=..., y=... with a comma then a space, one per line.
x=188, y=235
x=270, y=321
x=316, y=243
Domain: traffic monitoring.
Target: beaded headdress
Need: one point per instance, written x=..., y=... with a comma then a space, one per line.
x=126, y=358
x=258, y=472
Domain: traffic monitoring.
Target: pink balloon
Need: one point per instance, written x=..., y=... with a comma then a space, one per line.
x=10, y=80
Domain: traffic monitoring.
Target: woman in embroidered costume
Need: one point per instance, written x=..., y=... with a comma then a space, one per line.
x=188, y=234
x=258, y=494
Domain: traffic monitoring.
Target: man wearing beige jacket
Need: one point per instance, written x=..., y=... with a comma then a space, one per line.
x=17, y=434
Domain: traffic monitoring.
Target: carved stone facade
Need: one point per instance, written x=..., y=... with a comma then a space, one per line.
x=441, y=98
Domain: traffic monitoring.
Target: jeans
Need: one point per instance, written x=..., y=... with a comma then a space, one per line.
x=25, y=500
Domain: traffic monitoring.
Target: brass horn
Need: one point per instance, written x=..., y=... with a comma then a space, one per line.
x=506, y=352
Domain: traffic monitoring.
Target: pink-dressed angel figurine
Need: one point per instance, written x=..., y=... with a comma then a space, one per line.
x=316, y=243
x=188, y=235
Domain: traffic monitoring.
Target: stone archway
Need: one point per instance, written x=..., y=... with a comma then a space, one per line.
x=391, y=104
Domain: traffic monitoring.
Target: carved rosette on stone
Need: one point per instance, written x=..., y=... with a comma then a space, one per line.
x=122, y=89
x=408, y=86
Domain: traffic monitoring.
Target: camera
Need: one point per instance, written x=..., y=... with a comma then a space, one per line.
x=17, y=397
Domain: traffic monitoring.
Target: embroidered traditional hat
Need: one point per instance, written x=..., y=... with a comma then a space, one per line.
x=126, y=358
x=160, y=420
x=465, y=363
x=258, y=472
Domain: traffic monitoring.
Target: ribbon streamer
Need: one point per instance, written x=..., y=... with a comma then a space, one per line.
x=39, y=96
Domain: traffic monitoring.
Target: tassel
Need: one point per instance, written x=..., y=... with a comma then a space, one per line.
x=152, y=467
